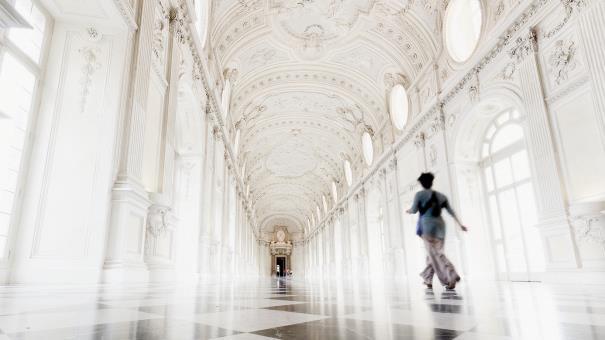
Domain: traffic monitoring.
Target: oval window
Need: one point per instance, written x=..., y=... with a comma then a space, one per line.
x=368, y=147
x=399, y=106
x=462, y=28
x=334, y=192
x=226, y=98
x=348, y=172
x=236, y=141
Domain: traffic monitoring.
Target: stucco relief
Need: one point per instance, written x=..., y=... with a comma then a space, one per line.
x=157, y=224
x=90, y=57
x=160, y=33
x=562, y=60
x=590, y=229
x=291, y=159
x=311, y=24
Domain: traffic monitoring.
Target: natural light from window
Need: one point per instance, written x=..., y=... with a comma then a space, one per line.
x=348, y=172
x=368, y=148
x=399, y=106
x=462, y=28
x=19, y=72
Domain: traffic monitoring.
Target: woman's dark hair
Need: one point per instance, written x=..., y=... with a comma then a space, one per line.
x=426, y=180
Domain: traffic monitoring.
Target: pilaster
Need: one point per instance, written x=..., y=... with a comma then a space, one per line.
x=591, y=25
x=550, y=197
x=130, y=201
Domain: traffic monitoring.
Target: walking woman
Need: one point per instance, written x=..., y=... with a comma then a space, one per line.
x=431, y=227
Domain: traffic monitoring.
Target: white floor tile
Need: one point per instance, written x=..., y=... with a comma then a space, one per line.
x=43, y=321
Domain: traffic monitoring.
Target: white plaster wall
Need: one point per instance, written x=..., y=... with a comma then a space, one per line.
x=63, y=228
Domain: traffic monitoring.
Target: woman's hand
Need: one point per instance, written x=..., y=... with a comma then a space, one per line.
x=409, y=211
x=464, y=228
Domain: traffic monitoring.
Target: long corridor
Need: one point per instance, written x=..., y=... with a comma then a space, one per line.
x=292, y=309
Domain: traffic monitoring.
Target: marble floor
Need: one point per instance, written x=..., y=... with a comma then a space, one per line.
x=291, y=309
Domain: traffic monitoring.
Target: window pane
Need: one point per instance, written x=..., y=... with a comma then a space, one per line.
x=16, y=90
x=495, y=218
x=527, y=205
x=2, y=246
x=368, y=148
x=512, y=231
x=500, y=258
x=509, y=213
x=508, y=135
x=485, y=150
x=399, y=106
x=463, y=22
x=535, y=251
x=503, y=118
x=29, y=40
x=489, y=179
x=4, y=220
x=520, y=163
x=503, y=173
x=6, y=201
x=490, y=132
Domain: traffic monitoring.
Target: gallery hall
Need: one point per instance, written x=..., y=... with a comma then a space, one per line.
x=302, y=169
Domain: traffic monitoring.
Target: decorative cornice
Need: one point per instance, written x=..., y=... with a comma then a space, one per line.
x=213, y=105
x=450, y=92
x=571, y=7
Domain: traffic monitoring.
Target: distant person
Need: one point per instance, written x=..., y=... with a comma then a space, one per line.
x=431, y=227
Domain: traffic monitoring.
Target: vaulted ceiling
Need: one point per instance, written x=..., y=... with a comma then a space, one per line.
x=308, y=78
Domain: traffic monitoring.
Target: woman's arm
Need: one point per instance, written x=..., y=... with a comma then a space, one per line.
x=451, y=211
x=414, y=208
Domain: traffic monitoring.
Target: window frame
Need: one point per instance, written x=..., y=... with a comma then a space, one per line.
x=38, y=70
x=444, y=33
x=487, y=162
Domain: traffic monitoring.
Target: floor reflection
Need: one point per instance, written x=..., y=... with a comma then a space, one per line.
x=295, y=309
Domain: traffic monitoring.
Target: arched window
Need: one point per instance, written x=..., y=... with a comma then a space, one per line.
x=399, y=106
x=202, y=12
x=334, y=192
x=510, y=198
x=21, y=67
x=318, y=213
x=348, y=172
x=368, y=148
x=462, y=28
